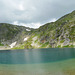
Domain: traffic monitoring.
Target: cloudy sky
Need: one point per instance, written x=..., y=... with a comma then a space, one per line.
x=34, y=13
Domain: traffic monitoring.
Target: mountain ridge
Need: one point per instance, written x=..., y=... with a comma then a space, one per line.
x=58, y=34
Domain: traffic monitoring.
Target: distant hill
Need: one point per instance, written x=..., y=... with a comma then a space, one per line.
x=57, y=34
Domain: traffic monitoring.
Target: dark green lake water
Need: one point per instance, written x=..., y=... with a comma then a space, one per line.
x=36, y=55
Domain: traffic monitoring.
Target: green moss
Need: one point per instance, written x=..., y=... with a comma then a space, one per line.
x=45, y=45
x=1, y=44
x=36, y=41
x=68, y=46
x=62, y=41
x=58, y=46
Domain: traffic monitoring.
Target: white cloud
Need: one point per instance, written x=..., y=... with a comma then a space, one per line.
x=21, y=7
x=53, y=20
x=15, y=23
x=31, y=25
x=33, y=13
x=34, y=25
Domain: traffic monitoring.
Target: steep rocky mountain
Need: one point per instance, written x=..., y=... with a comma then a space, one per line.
x=10, y=33
x=57, y=34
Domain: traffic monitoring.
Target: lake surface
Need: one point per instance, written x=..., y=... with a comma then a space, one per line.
x=51, y=61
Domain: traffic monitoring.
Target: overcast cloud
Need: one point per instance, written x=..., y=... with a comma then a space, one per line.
x=34, y=13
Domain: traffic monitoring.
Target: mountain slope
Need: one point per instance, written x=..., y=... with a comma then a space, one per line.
x=10, y=33
x=61, y=32
x=56, y=34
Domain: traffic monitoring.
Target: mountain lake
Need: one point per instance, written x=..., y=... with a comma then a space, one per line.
x=48, y=61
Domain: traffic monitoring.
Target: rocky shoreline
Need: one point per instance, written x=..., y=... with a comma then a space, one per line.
x=4, y=48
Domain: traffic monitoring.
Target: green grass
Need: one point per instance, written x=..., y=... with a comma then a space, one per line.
x=44, y=45
x=71, y=46
x=58, y=46
x=1, y=44
x=62, y=41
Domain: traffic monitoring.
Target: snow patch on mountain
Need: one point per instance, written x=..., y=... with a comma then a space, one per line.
x=26, y=38
x=13, y=44
x=28, y=30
